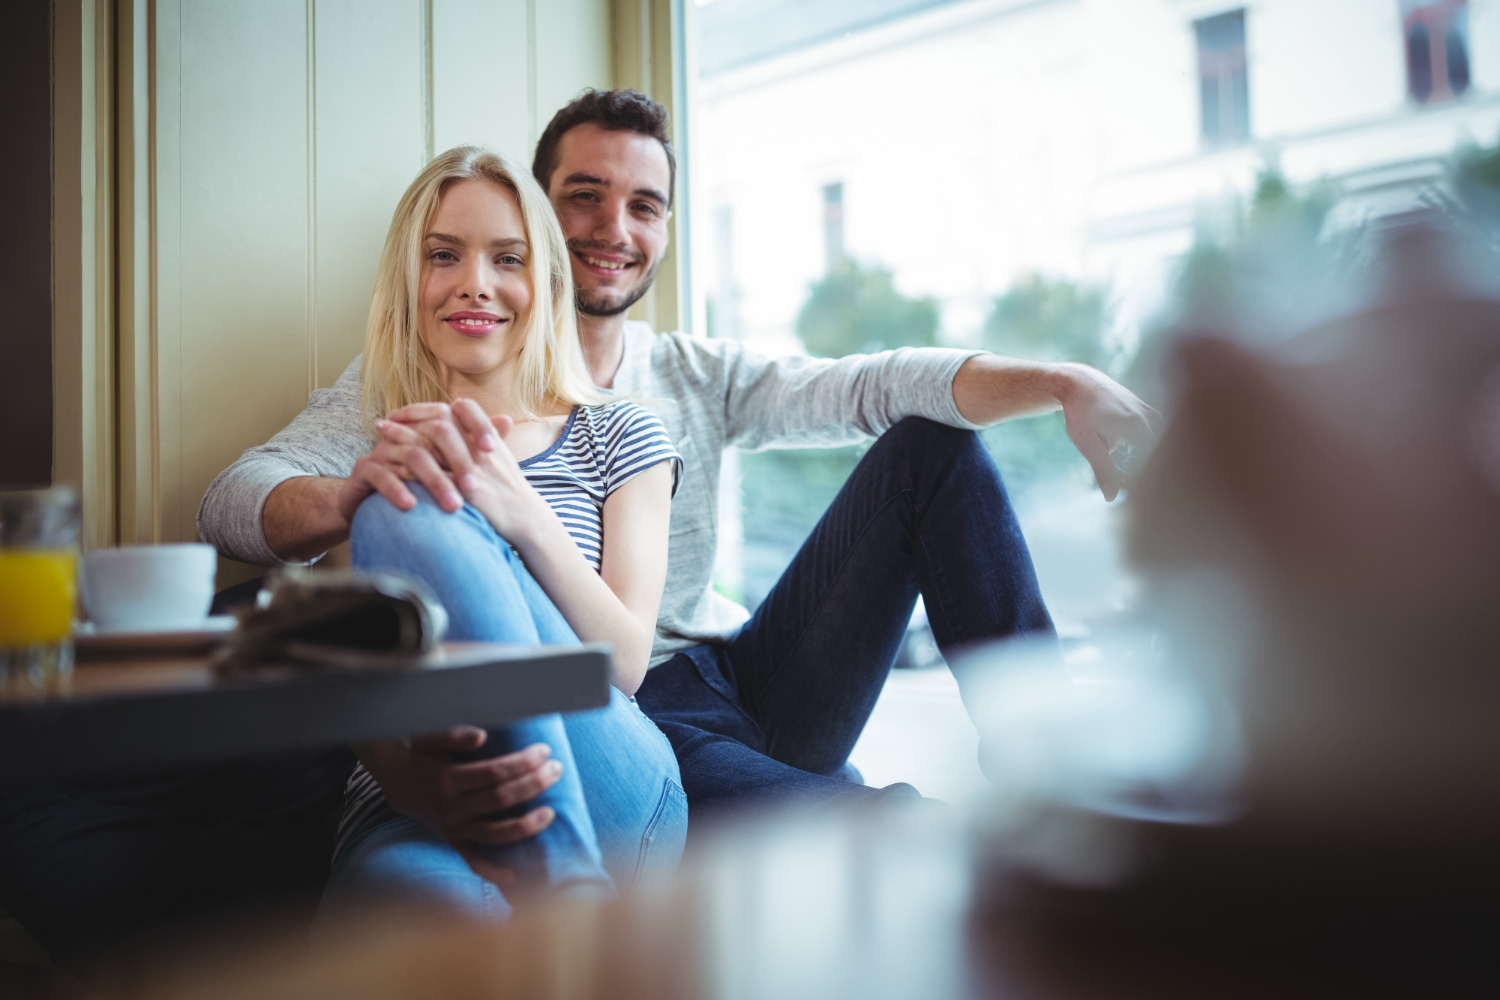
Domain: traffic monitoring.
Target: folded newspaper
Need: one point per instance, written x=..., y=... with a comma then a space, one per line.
x=343, y=619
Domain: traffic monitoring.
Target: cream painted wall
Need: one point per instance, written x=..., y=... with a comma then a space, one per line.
x=284, y=132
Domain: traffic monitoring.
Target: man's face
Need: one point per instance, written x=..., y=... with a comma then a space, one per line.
x=610, y=193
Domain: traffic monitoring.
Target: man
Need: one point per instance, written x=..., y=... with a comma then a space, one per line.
x=762, y=707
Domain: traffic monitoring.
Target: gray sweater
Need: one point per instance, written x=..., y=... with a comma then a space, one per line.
x=710, y=394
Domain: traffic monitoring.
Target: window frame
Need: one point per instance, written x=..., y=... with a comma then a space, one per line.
x=1444, y=22
x=1224, y=67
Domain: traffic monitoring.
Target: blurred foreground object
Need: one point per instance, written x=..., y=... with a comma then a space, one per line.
x=803, y=907
x=1293, y=764
x=343, y=618
x=1321, y=526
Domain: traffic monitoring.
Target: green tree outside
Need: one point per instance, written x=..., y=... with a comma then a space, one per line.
x=856, y=309
x=1051, y=319
x=1045, y=319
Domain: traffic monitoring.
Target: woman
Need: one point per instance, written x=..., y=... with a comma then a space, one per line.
x=560, y=535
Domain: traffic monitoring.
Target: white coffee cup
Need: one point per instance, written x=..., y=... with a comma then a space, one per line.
x=149, y=587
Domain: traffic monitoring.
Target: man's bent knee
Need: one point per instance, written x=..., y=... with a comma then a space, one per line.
x=919, y=437
x=922, y=433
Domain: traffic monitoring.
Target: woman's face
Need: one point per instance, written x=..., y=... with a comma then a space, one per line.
x=475, y=294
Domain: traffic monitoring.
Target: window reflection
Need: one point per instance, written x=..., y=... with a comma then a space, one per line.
x=1437, y=48
x=1049, y=181
x=1224, y=87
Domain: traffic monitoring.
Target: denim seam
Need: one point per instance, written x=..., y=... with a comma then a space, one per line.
x=733, y=698
x=648, y=838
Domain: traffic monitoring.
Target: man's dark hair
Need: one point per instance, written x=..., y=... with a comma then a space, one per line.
x=615, y=111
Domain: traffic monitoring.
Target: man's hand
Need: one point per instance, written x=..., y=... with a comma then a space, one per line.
x=420, y=779
x=306, y=516
x=1101, y=413
x=1101, y=416
x=391, y=462
x=421, y=442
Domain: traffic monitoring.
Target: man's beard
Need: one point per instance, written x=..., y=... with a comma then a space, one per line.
x=593, y=303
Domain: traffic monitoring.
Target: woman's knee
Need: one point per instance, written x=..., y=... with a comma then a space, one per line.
x=382, y=536
x=398, y=860
x=621, y=724
x=378, y=517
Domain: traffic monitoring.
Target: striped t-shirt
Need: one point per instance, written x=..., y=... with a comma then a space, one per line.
x=601, y=449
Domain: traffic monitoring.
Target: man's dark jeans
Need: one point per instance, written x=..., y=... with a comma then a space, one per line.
x=773, y=716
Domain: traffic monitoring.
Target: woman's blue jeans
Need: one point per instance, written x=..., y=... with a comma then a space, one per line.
x=620, y=809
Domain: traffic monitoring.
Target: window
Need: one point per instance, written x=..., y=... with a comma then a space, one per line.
x=833, y=225
x=1223, y=86
x=1437, y=48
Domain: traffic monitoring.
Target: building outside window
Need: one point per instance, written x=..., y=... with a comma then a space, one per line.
x=1437, y=48
x=833, y=225
x=1027, y=178
x=1223, y=82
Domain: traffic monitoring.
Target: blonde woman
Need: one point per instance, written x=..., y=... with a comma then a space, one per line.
x=560, y=534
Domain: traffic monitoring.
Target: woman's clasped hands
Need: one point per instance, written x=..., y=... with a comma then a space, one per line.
x=459, y=453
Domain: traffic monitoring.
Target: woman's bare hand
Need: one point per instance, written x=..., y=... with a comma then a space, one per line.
x=493, y=481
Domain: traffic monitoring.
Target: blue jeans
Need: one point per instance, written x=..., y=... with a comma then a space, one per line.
x=620, y=809
x=773, y=715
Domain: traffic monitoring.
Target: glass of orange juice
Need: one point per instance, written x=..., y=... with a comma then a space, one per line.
x=38, y=587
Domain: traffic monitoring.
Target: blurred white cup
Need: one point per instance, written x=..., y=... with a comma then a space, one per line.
x=149, y=587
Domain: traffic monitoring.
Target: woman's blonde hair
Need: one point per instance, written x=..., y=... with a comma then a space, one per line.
x=399, y=368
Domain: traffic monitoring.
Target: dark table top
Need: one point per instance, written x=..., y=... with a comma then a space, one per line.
x=137, y=715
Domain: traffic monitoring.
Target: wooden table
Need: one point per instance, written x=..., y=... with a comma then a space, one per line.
x=134, y=716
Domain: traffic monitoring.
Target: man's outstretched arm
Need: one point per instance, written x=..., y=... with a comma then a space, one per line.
x=302, y=518
x=1101, y=414
x=799, y=401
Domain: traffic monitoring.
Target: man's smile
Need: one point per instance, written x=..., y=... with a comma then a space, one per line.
x=604, y=265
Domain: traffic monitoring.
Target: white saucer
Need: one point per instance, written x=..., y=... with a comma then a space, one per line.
x=90, y=642
x=211, y=624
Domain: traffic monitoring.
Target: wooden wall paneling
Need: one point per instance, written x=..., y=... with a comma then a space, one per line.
x=137, y=426
x=573, y=52
x=648, y=50
x=261, y=150
x=482, y=87
x=369, y=141
x=177, y=497
x=238, y=263
x=26, y=444
x=83, y=368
